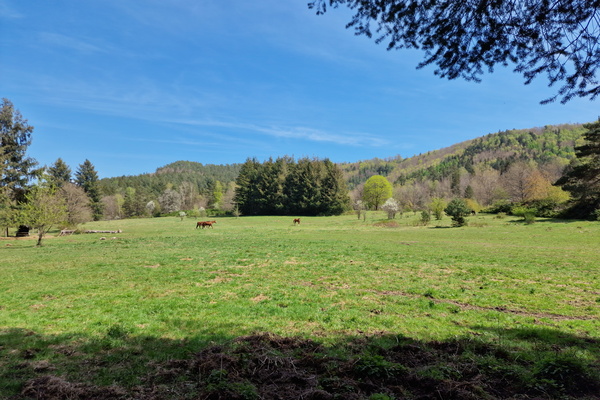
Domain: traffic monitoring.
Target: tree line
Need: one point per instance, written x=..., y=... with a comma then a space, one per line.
x=288, y=187
x=551, y=184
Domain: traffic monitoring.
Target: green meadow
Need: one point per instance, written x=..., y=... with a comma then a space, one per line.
x=103, y=311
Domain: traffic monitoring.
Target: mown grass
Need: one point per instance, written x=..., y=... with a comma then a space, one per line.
x=162, y=289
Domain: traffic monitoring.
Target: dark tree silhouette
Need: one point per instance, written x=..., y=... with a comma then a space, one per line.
x=582, y=177
x=556, y=38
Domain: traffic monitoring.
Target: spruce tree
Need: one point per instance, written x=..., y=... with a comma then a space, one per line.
x=87, y=177
x=582, y=178
x=59, y=173
x=16, y=169
x=246, y=196
x=334, y=192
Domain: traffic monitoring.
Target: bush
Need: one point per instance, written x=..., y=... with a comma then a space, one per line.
x=425, y=217
x=458, y=210
x=527, y=213
x=502, y=206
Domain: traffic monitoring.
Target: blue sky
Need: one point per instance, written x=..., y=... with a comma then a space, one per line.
x=134, y=85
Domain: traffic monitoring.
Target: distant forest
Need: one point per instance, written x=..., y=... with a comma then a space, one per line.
x=509, y=166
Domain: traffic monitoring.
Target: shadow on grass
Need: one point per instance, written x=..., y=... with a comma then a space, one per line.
x=520, y=363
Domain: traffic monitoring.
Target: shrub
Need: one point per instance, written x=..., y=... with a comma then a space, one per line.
x=458, y=210
x=425, y=217
x=527, y=213
x=529, y=218
x=502, y=206
x=437, y=206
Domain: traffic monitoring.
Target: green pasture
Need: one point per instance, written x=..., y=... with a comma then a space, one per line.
x=161, y=288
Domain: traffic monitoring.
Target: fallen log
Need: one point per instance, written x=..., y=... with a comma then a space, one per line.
x=119, y=231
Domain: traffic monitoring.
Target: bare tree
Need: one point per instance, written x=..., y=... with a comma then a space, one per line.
x=77, y=204
x=485, y=184
x=515, y=180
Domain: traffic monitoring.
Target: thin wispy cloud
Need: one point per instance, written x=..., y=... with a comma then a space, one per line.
x=6, y=11
x=217, y=82
x=299, y=132
x=69, y=42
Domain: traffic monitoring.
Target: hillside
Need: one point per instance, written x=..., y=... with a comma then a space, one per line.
x=514, y=165
x=496, y=150
x=202, y=176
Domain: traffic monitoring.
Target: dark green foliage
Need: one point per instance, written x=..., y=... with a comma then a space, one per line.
x=458, y=210
x=59, y=173
x=469, y=194
x=425, y=217
x=306, y=187
x=16, y=169
x=246, y=192
x=464, y=39
x=87, y=178
x=582, y=178
x=134, y=203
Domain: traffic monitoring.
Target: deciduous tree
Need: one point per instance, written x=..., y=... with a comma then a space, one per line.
x=437, y=206
x=43, y=209
x=77, y=204
x=391, y=207
x=376, y=191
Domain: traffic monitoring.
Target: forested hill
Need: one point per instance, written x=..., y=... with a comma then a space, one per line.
x=487, y=167
x=549, y=144
x=201, y=176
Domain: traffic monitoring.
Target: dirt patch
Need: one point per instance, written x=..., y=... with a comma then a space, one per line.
x=270, y=367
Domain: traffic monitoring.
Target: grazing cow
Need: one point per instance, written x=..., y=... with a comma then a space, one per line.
x=297, y=221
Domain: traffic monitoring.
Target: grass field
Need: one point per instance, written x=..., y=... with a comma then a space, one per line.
x=103, y=312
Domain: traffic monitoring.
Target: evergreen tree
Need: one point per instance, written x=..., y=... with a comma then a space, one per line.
x=557, y=39
x=135, y=201
x=306, y=187
x=246, y=196
x=16, y=169
x=458, y=210
x=334, y=192
x=302, y=188
x=469, y=193
x=270, y=186
x=582, y=179
x=59, y=173
x=87, y=177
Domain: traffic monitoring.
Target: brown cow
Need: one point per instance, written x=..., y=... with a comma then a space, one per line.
x=297, y=221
